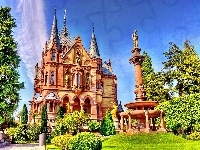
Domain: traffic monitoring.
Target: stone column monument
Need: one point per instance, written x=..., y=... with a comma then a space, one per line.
x=137, y=60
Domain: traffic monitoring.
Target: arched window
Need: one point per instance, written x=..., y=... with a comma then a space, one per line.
x=46, y=78
x=53, y=55
x=52, y=78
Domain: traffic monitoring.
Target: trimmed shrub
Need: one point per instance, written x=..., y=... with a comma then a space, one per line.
x=62, y=141
x=93, y=126
x=85, y=141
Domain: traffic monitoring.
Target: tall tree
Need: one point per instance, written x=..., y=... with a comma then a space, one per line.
x=153, y=82
x=9, y=63
x=181, y=71
x=44, y=119
x=24, y=115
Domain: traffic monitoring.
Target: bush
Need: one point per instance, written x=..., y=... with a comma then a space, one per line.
x=33, y=132
x=20, y=134
x=62, y=141
x=74, y=121
x=93, y=126
x=85, y=141
x=107, y=125
x=193, y=136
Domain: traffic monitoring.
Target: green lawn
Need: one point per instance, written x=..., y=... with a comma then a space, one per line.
x=143, y=141
x=157, y=141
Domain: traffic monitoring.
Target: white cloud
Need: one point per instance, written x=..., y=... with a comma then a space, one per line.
x=31, y=33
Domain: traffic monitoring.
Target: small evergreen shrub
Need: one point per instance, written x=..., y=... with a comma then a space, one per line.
x=93, y=126
x=107, y=125
x=85, y=141
x=62, y=141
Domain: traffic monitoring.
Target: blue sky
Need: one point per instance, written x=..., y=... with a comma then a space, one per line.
x=158, y=22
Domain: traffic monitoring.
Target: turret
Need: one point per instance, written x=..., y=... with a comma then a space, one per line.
x=64, y=36
x=54, y=34
x=94, y=51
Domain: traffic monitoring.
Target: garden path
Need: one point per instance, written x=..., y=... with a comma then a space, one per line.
x=23, y=147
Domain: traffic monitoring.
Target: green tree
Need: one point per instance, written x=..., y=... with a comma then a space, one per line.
x=181, y=71
x=153, y=83
x=44, y=119
x=24, y=115
x=60, y=113
x=182, y=113
x=107, y=126
x=9, y=63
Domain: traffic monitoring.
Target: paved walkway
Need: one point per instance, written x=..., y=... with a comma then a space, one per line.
x=23, y=147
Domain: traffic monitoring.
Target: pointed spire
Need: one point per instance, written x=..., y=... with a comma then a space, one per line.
x=64, y=35
x=54, y=34
x=94, y=51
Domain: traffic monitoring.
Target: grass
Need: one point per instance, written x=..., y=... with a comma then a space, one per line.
x=144, y=141
x=52, y=147
x=153, y=141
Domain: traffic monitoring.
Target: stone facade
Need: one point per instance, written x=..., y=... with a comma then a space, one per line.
x=72, y=77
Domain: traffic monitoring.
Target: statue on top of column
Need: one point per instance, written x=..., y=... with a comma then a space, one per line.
x=135, y=39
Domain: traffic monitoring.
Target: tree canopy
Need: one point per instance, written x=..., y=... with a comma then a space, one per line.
x=9, y=63
x=181, y=71
x=153, y=82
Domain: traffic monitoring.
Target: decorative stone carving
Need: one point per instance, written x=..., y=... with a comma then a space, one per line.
x=66, y=80
x=114, y=111
x=140, y=91
x=135, y=39
x=78, y=56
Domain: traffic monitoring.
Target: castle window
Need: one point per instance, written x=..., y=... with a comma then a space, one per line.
x=97, y=85
x=79, y=79
x=102, y=87
x=46, y=78
x=53, y=55
x=98, y=66
x=52, y=78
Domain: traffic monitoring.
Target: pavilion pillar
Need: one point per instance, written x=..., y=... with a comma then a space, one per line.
x=147, y=121
x=122, y=123
x=126, y=124
x=162, y=124
x=138, y=124
x=154, y=124
x=129, y=122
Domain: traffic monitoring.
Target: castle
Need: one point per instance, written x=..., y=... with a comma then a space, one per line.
x=72, y=77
